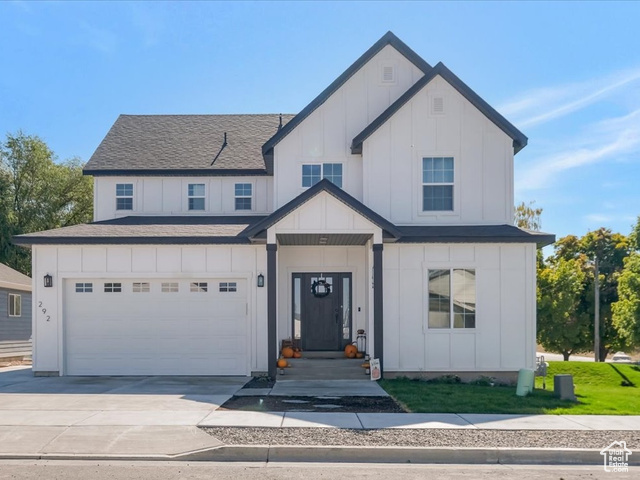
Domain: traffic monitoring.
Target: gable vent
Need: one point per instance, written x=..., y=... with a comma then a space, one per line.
x=388, y=74
x=437, y=105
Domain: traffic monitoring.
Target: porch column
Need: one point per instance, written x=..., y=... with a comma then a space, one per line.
x=272, y=292
x=377, y=304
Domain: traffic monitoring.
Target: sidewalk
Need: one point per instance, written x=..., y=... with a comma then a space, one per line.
x=159, y=418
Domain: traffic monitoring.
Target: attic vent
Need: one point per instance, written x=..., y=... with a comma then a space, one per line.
x=388, y=74
x=437, y=105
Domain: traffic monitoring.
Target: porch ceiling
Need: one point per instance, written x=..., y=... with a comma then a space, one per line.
x=322, y=239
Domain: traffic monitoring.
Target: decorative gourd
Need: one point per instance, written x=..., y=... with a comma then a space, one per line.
x=282, y=363
x=297, y=354
x=287, y=352
x=349, y=350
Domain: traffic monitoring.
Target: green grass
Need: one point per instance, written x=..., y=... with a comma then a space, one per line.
x=600, y=388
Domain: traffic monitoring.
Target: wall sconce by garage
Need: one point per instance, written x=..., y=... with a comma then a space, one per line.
x=261, y=280
x=48, y=281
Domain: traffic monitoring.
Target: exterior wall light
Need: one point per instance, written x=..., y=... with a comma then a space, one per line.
x=260, y=280
x=48, y=281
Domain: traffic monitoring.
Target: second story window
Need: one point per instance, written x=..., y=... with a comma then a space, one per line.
x=124, y=196
x=313, y=173
x=437, y=184
x=196, y=196
x=243, y=193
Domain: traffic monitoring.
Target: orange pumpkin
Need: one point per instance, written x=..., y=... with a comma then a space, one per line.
x=287, y=352
x=282, y=363
x=297, y=354
x=350, y=349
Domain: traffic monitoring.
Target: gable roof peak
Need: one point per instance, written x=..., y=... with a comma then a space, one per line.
x=388, y=38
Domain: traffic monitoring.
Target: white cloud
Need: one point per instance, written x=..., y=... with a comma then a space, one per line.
x=606, y=140
x=543, y=105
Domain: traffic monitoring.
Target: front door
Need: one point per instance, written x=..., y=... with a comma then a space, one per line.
x=322, y=310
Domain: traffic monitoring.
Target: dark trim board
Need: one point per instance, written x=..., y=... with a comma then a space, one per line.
x=177, y=172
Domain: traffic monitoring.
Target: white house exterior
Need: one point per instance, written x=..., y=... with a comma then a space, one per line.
x=394, y=186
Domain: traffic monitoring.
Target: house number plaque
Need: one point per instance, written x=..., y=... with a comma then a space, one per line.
x=44, y=311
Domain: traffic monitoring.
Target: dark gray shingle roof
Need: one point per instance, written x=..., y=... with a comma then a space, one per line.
x=148, y=230
x=184, y=144
x=10, y=278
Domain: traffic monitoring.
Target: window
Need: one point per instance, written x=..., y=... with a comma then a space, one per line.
x=141, y=287
x=228, y=287
x=198, y=287
x=452, y=298
x=312, y=174
x=169, y=287
x=333, y=173
x=196, y=196
x=437, y=184
x=15, y=305
x=112, y=287
x=84, y=287
x=124, y=196
x=243, y=196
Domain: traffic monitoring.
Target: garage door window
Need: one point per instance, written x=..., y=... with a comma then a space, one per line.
x=84, y=287
x=113, y=287
x=141, y=287
x=228, y=287
x=199, y=287
x=169, y=287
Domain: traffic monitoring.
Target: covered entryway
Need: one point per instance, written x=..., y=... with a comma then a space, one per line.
x=156, y=327
x=322, y=310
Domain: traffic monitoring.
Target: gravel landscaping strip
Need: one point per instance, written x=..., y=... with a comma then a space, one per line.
x=424, y=437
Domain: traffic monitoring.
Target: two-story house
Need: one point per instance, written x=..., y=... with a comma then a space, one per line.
x=386, y=205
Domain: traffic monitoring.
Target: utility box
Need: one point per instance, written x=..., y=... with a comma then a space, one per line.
x=563, y=387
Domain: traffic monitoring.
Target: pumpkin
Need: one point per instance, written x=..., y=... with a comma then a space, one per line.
x=282, y=363
x=350, y=349
x=297, y=354
x=287, y=352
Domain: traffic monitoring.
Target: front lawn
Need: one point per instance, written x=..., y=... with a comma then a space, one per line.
x=601, y=388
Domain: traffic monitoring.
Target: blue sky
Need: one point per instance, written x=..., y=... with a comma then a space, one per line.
x=566, y=74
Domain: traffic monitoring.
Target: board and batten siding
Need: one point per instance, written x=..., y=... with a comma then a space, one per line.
x=140, y=263
x=483, y=161
x=504, y=337
x=325, y=135
x=15, y=328
x=168, y=196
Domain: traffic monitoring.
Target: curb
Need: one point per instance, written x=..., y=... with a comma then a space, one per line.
x=320, y=454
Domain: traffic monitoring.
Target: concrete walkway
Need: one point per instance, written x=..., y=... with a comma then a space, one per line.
x=158, y=417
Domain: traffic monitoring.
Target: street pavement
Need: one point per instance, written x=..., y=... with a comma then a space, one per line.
x=159, y=417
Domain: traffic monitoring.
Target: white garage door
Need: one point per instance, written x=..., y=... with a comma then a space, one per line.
x=156, y=327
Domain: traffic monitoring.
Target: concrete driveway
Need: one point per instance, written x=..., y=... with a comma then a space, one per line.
x=114, y=415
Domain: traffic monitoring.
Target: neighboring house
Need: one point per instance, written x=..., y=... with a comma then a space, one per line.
x=215, y=236
x=15, y=313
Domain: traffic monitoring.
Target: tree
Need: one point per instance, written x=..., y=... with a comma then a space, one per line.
x=36, y=193
x=634, y=236
x=562, y=327
x=626, y=311
x=526, y=216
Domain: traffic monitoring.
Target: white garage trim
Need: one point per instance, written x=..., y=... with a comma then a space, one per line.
x=198, y=330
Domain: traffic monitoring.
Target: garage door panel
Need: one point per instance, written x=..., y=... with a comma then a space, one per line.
x=155, y=332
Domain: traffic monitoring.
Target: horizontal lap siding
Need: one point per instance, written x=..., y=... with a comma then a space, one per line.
x=15, y=328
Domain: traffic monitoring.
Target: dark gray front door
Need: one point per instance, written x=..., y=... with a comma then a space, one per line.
x=322, y=322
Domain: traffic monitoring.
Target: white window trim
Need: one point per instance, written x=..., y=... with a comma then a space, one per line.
x=322, y=177
x=205, y=209
x=13, y=299
x=252, y=197
x=456, y=182
x=133, y=191
x=425, y=308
